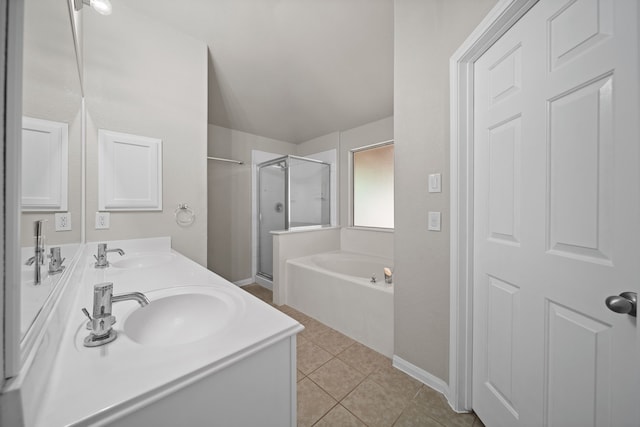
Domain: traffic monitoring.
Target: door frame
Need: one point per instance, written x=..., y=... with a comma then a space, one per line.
x=461, y=71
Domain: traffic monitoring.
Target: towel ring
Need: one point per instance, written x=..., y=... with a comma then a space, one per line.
x=184, y=215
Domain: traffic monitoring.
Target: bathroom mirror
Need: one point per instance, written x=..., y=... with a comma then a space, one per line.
x=52, y=117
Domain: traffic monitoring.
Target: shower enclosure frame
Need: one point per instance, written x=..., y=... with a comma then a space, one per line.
x=287, y=203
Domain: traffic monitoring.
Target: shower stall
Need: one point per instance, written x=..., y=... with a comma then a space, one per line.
x=292, y=192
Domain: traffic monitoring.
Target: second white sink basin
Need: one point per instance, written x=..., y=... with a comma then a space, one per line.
x=182, y=315
x=143, y=260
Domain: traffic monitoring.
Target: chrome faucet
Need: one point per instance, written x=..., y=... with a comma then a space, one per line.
x=38, y=257
x=55, y=261
x=101, y=259
x=388, y=276
x=102, y=321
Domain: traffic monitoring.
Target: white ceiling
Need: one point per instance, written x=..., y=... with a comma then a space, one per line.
x=290, y=70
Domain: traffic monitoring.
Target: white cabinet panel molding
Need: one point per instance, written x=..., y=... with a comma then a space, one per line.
x=45, y=154
x=129, y=172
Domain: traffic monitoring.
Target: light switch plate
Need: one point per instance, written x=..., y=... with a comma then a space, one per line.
x=435, y=183
x=102, y=220
x=63, y=221
x=434, y=221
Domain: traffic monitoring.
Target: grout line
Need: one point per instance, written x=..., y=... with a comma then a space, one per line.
x=355, y=416
x=325, y=414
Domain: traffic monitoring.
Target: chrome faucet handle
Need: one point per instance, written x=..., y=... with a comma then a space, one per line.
x=102, y=293
x=89, y=324
x=38, y=236
x=38, y=251
x=102, y=321
x=38, y=228
x=102, y=302
x=55, y=263
x=101, y=259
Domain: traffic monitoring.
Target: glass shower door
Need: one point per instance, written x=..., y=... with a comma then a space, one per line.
x=272, y=211
x=309, y=192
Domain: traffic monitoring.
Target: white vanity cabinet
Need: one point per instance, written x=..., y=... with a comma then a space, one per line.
x=243, y=373
x=258, y=390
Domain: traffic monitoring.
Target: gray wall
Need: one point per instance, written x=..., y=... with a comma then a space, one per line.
x=144, y=78
x=229, y=198
x=427, y=32
x=51, y=91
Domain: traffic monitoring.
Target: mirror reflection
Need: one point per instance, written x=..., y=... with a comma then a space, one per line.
x=51, y=153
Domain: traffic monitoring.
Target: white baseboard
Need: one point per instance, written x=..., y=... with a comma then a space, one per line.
x=424, y=377
x=244, y=282
x=266, y=283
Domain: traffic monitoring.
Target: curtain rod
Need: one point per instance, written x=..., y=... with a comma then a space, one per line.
x=220, y=159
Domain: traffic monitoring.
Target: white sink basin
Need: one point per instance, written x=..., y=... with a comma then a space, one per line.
x=143, y=260
x=181, y=315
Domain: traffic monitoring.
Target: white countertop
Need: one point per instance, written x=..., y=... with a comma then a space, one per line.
x=88, y=384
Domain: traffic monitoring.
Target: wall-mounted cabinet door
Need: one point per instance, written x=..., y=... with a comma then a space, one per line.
x=45, y=156
x=130, y=172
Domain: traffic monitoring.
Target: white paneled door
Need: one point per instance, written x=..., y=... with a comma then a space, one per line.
x=557, y=218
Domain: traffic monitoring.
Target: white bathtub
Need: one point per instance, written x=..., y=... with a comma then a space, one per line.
x=335, y=288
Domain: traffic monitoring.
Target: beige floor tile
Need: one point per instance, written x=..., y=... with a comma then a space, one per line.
x=433, y=404
x=311, y=357
x=250, y=288
x=363, y=358
x=413, y=416
x=339, y=417
x=292, y=312
x=312, y=328
x=300, y=340
x=313, y=403
x=478, y=422
x=374, y=405
x=337, y=378
x=259, y=292
x=300, y=376
x=333, y=341
x=396, y=381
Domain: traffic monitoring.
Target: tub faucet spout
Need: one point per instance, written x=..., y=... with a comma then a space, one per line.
x=388, y=276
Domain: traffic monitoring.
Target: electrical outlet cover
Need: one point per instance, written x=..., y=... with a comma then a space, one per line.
x=63, y=221
x=102, y=220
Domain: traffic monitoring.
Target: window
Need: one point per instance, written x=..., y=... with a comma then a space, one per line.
x=373, y=186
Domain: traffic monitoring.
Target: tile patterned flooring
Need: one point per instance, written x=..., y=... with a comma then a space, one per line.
x=344, y=383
